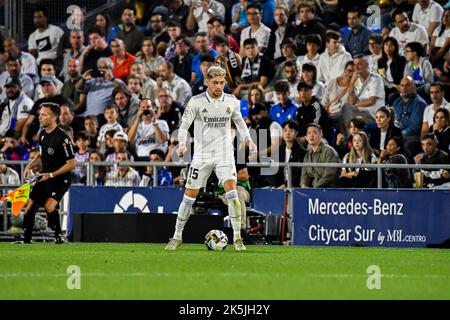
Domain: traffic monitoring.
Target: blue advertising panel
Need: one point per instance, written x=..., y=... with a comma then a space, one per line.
x=386, y=218
x=84, y=199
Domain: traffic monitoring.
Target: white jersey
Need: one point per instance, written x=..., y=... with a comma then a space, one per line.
x=212, y=127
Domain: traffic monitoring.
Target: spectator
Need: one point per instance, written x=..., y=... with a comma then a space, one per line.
x=287, y=53
x=68, y=89
x=406, y=32
x=256, y=30
x=256, y=69
x=98, y=48
x=230, y=61
x=432, y=155
x=47, y=68
x=290, y=73
x=27, y=61
x=134, y=86
x=96, y=93
x=333, y=59
x=126, y=106
x=122, y=59
x=392, y=177
x=76, y=49
x=290, y=151
x=149, y=86
x=218, y=29
x=182, y=62
x=203, y=48
x=281, y=30
x=286, y=109
x=357, y=40
x=437, y=92
x=309, y=75
x=386, y=129
x=102, y=23
x=201, y=12
x=15, y=108
x=82, y=156
x=131, y=35
x=91, y=128
x=179, y=89
x=99, y=171
x=313, y=44
x=336, y=95
x=147, y=132
x=164, y=175
x=360, y=153
x=43, y=42
x=375, y=47
x=428, y=14
x=67, y=118
x=13, y=69
x=418, y=68
x=391, y=67
x=150, y=57
x=111, y=116
x=178, y=12
x=409, y=110
x=13, y=150
x=8, y=176
x=169, y=110
x=120, y=143
x=239, y=15
x=30, y=132
x=255, y=95
x=109, y=147
x=318, y=153
x=366, y=93
x=309, y=24
x=122, y=175
x=76, y=23
x=440, y=41
x=156, y=28
x=174, y=31
x=344, y=143
x=441, y=129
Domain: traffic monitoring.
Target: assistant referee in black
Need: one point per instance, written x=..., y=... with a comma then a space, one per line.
x=57, y=159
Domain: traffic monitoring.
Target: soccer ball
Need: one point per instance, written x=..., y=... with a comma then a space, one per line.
x=216, y=240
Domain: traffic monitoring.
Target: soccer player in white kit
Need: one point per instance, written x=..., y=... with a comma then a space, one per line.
x=212, y=113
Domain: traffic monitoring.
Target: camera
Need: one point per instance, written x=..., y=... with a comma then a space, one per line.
x=147, y=112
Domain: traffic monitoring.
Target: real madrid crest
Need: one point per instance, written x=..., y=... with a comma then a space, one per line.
x=228, y=110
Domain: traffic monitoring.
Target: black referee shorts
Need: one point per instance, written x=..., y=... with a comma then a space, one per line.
x=52, y=188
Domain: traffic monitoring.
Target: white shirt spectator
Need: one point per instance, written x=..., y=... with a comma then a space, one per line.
x=179, y=89
x=29, y=66
x=46, y=43
x=105, y=128
x=130, y=179
x=261, y=35
x=318, y=89
x=432, y=13
x=330, y=67
x=202, y=16
x=428, y=114
x=10, y=176
x=415, y=33
x=301, y=60
x=25, y=80
x=372, y=87
x=440, y=39
x=18, y=109
x=146, y=138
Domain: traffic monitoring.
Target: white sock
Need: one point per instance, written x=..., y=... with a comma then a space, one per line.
x=234, y=211
x=184, y=211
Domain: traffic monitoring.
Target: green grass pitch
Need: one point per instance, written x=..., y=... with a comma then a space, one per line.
x=146, y=271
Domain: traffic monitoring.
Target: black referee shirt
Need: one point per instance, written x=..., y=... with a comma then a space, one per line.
x=55, y=149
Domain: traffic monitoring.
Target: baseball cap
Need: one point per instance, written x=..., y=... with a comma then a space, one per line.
x=12, y=81
x=120, y=136
x=48, y=79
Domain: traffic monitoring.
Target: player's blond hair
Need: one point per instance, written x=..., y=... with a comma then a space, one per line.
x=215, y=71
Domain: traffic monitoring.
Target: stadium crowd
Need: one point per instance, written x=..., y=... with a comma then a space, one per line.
x=316, y=83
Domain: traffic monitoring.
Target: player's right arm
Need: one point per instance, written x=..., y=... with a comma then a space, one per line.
x=188, y=117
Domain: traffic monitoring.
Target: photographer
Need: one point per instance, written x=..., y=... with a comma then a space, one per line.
x=147, y=132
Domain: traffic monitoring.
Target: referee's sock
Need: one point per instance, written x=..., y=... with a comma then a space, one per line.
x=54, y=223
x=184, y=211
x=234, y=211
x=28, y=223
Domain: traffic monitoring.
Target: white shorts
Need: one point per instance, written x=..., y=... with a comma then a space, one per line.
x=199, y=172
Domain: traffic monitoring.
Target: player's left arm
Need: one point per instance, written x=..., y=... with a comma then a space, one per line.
x=242, y=127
